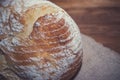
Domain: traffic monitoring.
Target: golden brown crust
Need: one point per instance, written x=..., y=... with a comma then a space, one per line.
x=47, y=45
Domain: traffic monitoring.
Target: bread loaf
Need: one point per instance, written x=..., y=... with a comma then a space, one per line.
x=39, y=40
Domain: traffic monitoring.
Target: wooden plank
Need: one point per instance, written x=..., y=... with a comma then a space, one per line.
x=96, y=15
x=101, y=29
x=87, y=3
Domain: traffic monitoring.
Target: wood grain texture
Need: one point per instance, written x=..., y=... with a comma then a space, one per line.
x=98, y=19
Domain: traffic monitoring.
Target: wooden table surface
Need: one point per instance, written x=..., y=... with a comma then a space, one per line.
x=99, y=19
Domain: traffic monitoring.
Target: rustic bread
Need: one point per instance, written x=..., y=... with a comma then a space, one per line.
x=40, y=40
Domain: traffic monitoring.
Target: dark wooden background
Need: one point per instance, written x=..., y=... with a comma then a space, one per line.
x=99, y=19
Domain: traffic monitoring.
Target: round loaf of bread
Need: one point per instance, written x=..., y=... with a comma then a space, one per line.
x=39, y=40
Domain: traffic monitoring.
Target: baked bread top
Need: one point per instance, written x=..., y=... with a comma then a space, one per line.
x=39, y=39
